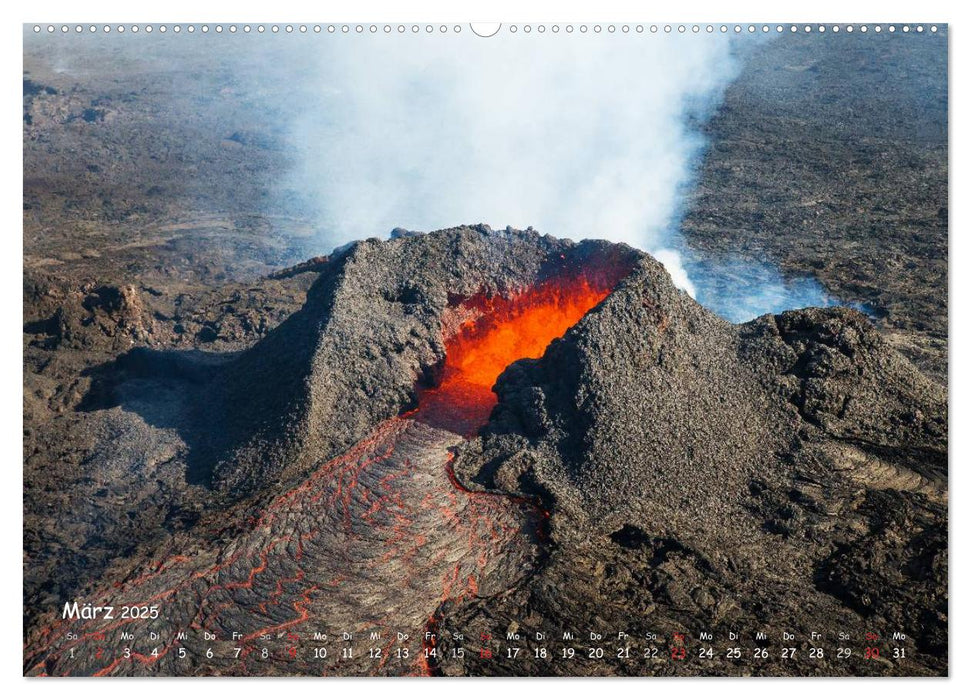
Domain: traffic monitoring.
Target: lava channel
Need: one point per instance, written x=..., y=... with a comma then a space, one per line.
x=362, y=552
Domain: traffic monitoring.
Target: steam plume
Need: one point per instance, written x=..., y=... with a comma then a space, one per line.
x=580, y=136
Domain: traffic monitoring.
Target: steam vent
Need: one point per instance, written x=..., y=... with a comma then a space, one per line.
x=494, y=431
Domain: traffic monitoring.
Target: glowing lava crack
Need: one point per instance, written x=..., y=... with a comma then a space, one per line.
x=306, y=564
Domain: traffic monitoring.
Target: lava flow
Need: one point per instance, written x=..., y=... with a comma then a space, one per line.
x=341, y=574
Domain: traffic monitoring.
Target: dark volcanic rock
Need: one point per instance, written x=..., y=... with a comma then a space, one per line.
x=701, y=475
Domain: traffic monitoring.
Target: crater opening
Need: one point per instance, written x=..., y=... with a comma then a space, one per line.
x=499, y=330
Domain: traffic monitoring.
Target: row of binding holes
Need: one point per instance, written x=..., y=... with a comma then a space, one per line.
x=723, y=28
x=444, y=29
x=260, y=29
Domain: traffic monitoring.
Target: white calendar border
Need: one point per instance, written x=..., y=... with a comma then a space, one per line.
x=11, y=380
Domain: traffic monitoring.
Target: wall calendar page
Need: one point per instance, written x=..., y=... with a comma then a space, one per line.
x=517, y=349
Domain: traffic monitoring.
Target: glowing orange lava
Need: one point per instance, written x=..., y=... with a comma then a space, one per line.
x=504, y=331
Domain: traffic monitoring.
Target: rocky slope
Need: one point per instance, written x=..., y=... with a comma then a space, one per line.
x=788, y=474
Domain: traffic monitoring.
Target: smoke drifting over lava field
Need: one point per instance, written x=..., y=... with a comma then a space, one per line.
x=430, y=441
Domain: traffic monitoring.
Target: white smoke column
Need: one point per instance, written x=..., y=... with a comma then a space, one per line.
x=583, y=136
x=671, y=259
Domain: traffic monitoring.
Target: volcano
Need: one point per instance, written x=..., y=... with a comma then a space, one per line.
x=468, y=434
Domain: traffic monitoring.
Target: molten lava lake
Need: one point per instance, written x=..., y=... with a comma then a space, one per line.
x=503, y=331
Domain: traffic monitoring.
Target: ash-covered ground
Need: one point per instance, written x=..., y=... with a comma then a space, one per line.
x=217, y=421
x=829, y=159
